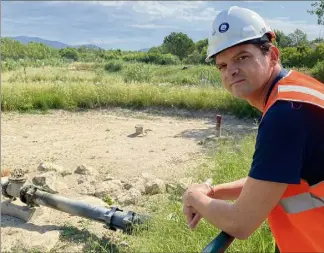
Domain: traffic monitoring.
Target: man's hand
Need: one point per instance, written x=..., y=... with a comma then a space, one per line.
x=190, y=212
x=193, y=217
x=203, y=188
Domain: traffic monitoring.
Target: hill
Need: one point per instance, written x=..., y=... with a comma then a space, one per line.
x=51, y=43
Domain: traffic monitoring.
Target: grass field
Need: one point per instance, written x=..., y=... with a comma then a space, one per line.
x=89, y=86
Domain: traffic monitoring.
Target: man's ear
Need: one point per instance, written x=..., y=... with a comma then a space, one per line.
x=275, y=55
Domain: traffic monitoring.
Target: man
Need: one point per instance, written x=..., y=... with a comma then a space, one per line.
x=286, y=181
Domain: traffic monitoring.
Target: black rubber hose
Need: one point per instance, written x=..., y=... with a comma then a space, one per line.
x=78, y=208
x=219, y=244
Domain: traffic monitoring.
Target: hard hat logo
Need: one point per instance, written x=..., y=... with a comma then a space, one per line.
x=223, y=27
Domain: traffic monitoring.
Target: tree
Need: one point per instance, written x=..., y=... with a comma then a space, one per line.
x=282, y=39
x=318, y=40
x=201, y=44
x=195, y=58
x=179, y=44
x=318, y=11
x=155, y=50
x=298, y=38
x=12, y=49
x=35, y=50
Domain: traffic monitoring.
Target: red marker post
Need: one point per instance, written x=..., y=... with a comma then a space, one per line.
x=218, y=125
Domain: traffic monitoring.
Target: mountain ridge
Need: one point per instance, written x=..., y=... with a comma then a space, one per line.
x=56, y=44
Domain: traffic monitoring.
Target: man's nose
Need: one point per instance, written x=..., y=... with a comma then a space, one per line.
x=233, y=71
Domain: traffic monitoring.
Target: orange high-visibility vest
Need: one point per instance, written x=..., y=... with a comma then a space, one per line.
x=297, y=222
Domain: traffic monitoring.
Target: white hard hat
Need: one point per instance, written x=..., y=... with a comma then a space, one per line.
x=235, y=26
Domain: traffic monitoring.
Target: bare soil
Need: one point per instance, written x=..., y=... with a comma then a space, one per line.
x=105, y=140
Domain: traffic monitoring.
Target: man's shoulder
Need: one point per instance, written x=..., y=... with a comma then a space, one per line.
x=282, y=110
x=284, y=115
x=301, y=78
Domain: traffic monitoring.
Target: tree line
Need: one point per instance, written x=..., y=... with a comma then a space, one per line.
x=296, y=49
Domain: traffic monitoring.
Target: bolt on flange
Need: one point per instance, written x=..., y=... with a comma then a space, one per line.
x=17, y=176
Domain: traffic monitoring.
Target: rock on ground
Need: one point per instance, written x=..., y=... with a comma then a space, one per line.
x=85, y=170
x=49, y=182
x=46, y=166
x=155, y=186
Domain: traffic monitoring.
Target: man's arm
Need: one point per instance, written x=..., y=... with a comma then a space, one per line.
x=242, y=218
x=229, y=191
x=277, y=161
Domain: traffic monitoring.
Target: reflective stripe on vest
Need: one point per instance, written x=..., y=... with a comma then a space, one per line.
x=301, y=203
x=305, y=201
x=289, y=92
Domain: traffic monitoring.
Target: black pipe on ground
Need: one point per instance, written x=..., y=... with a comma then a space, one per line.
x=113, y=218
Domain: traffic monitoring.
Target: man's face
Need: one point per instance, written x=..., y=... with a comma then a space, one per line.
x=244, y=69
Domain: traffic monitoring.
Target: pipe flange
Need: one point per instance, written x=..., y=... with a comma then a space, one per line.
x=27, y=194
x=4, y=190
x=109, y=215
x=17, y=176
x=129, y=221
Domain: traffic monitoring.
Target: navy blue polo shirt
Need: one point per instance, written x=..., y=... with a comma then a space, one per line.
x=290, y=143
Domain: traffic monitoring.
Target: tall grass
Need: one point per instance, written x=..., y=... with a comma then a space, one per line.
x=62, y=88
x=168, y=231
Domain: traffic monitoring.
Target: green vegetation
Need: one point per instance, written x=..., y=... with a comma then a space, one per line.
x=36, y=76
x=168, y=230
x=318, y=71
x=318, y=10
x=63, y=88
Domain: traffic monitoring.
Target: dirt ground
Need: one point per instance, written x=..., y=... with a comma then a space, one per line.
x=106, y=141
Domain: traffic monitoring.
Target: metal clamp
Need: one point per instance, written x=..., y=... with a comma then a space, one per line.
x=4, y=190
x=108, y=216
x=27, y=195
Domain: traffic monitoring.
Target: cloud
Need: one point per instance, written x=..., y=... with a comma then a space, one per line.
x=108, y=3
x=208, y=14
x=289, y=26
x=167, y=9
x=153, y=26
x=282, y=18
x=102, y=41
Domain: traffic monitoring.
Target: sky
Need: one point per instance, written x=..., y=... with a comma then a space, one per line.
x=134, y=25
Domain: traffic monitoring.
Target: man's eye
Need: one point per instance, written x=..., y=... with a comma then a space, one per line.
x=221, y=67
x=242, y=58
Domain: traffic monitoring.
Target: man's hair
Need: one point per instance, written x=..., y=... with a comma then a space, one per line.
x=264, y=47
x=264, y=44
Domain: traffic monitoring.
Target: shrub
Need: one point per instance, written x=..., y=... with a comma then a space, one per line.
x=318, y=71
x=113, y=66
x=194, y=58
x=156, y=58
x=137, y=73
x=69, y=53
